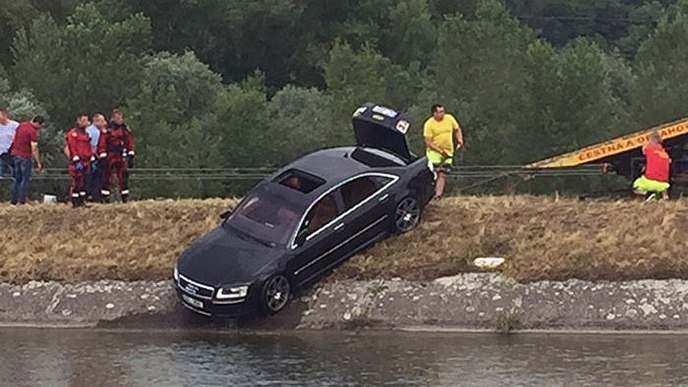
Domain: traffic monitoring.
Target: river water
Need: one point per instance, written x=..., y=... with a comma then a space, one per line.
x=35, y=357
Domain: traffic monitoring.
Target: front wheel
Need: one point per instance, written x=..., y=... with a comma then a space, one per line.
x=276, y=294
x=407, y=215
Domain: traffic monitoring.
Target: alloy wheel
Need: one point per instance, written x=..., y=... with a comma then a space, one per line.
x=407, y=215
x=277, y=292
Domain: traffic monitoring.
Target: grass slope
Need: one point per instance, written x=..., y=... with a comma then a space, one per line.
x=541, y=238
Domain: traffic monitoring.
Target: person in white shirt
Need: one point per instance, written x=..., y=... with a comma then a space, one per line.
x=7, y=130
x=95, y=178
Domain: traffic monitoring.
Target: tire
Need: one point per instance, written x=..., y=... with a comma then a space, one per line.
x=275, y=295
x=407, y=215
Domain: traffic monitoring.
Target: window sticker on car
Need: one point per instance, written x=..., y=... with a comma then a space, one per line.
x=403, y=126
x=385, y=111
x=360, y=111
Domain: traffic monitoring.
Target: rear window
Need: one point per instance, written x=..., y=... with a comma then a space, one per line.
x=299, y=181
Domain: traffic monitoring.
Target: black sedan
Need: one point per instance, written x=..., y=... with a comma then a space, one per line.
x=306, y=218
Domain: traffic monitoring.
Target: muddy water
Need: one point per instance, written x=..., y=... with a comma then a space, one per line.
x=107, y=358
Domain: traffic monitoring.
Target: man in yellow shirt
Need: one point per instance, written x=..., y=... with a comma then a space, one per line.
x=442, y=137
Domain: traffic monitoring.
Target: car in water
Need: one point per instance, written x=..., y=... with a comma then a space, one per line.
x=306, y=218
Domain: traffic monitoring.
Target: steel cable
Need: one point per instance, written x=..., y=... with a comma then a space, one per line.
x=257, y=173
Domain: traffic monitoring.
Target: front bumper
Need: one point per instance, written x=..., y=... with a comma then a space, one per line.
x=211, y=307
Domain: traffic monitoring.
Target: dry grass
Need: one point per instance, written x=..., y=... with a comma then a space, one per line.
x=541, y=238
x=137, y=241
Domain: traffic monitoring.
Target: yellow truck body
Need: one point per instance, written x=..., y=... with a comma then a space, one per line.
x=605, y=150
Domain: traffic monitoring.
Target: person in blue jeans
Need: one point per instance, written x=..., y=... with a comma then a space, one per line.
x=22, y=178
x=24, y=153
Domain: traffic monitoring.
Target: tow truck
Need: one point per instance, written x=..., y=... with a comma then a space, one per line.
x=623, y=155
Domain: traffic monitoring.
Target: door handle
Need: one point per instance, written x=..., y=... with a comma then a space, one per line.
x=339, y=227
x=383, y=197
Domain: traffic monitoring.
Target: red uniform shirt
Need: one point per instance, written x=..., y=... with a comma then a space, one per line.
x=118, y=139
x=657, y=163
x=79, y=145
x=26, y=134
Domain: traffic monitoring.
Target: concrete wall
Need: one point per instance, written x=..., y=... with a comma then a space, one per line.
x=467, y=301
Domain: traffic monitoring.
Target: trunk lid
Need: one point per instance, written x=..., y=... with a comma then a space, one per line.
x=376, y=126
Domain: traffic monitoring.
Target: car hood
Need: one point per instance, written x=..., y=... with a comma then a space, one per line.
x=379, y=127
x=222, y=257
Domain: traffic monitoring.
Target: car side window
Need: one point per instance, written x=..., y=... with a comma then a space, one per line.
x=358, y=190
x=322, y=213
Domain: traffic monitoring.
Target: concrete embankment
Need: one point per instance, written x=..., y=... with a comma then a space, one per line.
x=467, y=301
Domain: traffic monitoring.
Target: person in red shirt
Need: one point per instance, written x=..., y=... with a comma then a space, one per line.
x=116, y=150
x=655, y=179
x=24, y=153
x=81, y=156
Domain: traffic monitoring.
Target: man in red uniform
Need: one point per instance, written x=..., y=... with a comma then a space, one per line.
x=80, y=156
x=116, y=150
x=655, y=180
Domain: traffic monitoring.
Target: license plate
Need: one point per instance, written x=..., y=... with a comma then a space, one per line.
x=192, y=301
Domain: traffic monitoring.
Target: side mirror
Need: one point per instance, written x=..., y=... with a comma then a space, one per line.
x=226, y=214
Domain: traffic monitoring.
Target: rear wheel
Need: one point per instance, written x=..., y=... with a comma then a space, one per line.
x=276, y=294
x=407, y=215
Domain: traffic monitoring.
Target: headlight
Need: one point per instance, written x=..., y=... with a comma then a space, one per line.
x=176, y=274
x=232, y=292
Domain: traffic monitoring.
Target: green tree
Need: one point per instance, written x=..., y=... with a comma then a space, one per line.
x=571, y=102
x=17, y=14
x=165, y=142
x=442, y=8
x=170, y=114
x=479, y=72
x=23, y=105
x=194, y=85
x=620, y=24
x=301, y=121
x=241, y=126
x=357, y=76
x=661, y=68
x=90, y=64
x=411, y=33
x=234, y=37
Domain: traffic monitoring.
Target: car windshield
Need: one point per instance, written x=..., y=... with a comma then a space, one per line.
x=266, y=219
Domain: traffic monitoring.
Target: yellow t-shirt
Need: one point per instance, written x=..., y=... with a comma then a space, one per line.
x=442, y=132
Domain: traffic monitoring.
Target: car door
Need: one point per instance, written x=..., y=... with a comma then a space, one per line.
x=362, y=210
x=320, y=236
x=367, y=202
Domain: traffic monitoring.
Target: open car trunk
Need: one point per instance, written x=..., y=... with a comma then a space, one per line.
x=376, y=126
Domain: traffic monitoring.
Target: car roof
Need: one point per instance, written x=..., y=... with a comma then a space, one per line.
x=332, y=165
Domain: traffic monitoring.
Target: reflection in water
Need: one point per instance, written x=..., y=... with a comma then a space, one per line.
x=104, y=358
